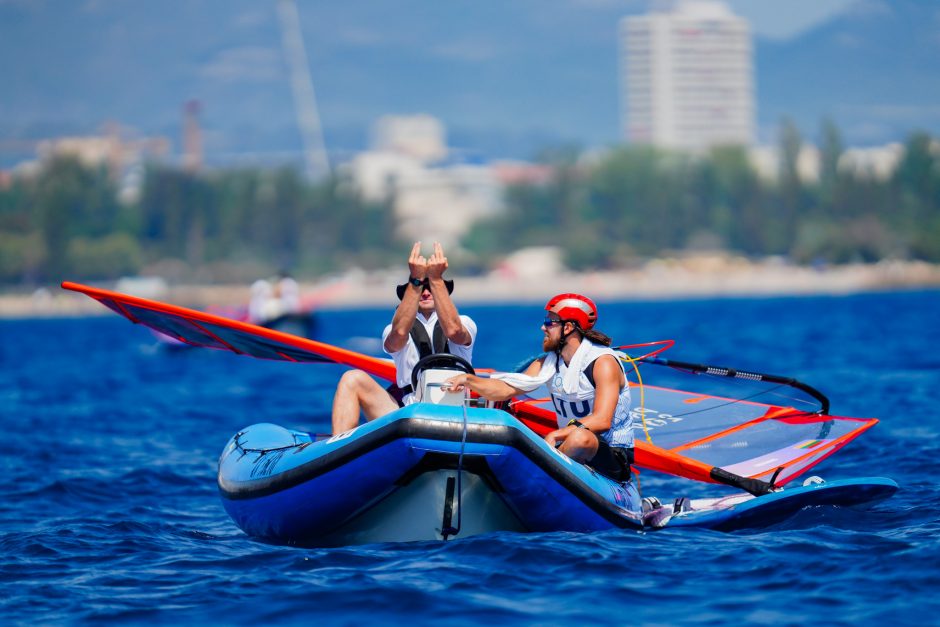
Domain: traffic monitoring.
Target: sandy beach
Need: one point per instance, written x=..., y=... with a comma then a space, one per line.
x=699, y=277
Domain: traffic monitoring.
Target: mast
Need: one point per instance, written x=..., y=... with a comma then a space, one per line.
x=305, y=102
x=192, y=137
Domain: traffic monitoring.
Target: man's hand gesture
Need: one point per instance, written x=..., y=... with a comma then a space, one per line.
x=417, y=264
x=437, y=264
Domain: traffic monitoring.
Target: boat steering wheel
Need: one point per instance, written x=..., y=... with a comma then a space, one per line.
x=440, y=361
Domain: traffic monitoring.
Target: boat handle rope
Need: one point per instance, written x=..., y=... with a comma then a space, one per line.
x=624, y=357
x=450, y=530
x=237, y=444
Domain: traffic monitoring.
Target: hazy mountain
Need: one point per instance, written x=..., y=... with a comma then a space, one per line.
x=505, y=77
x=874, y=70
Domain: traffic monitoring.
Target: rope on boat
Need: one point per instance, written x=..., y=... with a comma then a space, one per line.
x=264, y=451
x=451, y=530
x=630, y=360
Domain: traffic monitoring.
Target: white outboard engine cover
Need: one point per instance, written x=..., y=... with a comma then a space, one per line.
x=429, y=388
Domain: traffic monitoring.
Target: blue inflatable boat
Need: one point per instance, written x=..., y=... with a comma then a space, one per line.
x=424, y=472
x=433, y=472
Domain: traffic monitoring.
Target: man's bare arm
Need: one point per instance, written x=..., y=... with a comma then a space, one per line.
x=447, y=313
x=608, y=380
x=491, y=389
x=404, y=317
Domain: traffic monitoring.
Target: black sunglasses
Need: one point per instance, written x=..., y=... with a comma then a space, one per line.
x=548, y=323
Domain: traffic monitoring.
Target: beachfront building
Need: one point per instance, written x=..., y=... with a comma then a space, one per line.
x=873, y=162
x=877, y=163
x=123, y=151
x=420, y=136
x=766, y=161
x=687, y=76
x=432, y=199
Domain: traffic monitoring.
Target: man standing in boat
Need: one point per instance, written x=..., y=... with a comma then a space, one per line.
x=426, y=322
x=588, y=386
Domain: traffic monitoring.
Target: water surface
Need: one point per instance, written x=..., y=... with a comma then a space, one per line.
x=110, y=509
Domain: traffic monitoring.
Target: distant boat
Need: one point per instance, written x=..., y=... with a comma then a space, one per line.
x=301, y=323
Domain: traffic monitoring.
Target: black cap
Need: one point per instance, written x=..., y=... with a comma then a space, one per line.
x=400, y=290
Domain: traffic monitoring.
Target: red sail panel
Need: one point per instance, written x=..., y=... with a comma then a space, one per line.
x=538, y=415
x=693, y=433
x=204, y=329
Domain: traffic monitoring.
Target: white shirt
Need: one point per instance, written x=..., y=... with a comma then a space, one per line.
x=406, y=358
x=260, y=296
x=289, y=293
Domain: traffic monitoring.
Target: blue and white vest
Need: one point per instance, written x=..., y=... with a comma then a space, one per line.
x=581, y=403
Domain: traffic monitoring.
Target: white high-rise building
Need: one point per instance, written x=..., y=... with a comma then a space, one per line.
x=420, y=136
x=687, y=76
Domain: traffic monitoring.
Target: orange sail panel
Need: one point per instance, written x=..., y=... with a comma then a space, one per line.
x=203, y=329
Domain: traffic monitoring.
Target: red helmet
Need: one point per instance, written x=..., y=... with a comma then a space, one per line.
x=574, y=307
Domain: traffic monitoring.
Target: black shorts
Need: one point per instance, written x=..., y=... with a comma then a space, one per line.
x=398, y=394
x=612, y=461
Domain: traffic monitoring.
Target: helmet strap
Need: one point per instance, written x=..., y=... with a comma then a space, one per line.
x=564, y=336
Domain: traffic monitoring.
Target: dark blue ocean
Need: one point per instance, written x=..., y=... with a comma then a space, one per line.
x=110, y=511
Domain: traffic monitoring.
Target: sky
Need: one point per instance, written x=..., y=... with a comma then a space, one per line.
x=783, y=19
x=503, y=75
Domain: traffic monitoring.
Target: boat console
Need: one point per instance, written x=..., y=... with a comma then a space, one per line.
x=428, y=379
x=430, y=373
x=430, y=388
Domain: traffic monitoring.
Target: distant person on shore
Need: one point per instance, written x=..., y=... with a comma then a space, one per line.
x=588, y=386
x=426, y=322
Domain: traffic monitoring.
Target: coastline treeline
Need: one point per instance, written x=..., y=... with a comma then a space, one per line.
x=631, y=204
x=639, y=202
x=219, y=226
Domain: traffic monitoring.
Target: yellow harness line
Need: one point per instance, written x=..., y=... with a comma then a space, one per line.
x=626, y=358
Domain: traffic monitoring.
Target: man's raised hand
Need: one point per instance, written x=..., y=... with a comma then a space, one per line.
x=437, y=264
x=417, y=264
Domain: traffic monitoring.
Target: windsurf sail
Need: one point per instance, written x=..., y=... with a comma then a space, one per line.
x=756, y=436
x=198, y=328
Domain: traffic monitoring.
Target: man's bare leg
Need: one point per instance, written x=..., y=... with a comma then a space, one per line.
x=580, y=446
x=356, y=392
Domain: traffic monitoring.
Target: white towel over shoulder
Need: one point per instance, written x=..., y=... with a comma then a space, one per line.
x=527, y=383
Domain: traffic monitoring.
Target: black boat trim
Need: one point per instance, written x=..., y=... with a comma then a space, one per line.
x=435, y=460
x=449, y=498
